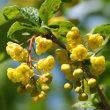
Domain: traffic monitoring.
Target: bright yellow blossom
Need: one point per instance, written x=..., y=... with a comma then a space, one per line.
x=21, y=74
x=46, y=64
x=16, y=52
x=98, y=65
x=62, y=56
x=79, y=53
x=94, y=41
x=49, y=64
x=43, y=45
x=73, y=38
x=39, y=65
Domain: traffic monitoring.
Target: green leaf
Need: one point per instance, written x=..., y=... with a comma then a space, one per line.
x=83, y=104
x=10, y=12
x=48, y=8
x=30, y=14
x=17, y=26
x=61, y=26
x=103, y=30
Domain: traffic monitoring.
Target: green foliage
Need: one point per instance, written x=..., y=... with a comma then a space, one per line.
x=48, y=8
x=83, y=104
x=17, y=26
x=61, y=26
x=103, y=30
x=10, y=12
x=30, y=14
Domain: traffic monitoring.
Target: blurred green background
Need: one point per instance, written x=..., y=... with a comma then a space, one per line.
x=86, y=14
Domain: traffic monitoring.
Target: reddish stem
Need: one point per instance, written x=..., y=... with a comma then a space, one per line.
x=29, y=50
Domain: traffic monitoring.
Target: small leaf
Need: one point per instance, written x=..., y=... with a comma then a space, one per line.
x=48, y=8
x=10, y=12
x=61, y=26
x=83, y=104
x=17, y=26
x=30, y=14
x=103, y=30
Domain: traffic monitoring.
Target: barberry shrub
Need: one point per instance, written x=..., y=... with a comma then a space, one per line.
x=78, y=56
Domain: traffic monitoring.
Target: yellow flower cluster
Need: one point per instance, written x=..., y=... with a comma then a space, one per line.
x=79, y=53
x=21, y=74
x=46, y=64
x=94, y=41
x=16, y=52
x=43, y=44
x=73, y=38
x=98, y=65
x=62, y=56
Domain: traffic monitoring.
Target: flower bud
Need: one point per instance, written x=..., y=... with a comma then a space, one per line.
x=42, y=95
x=66, y=68
x=92, y=82
x=28, y=87
x=45, y=87
x=83, y=97
x=78, y=73
x=68, y=86
x=78, y=90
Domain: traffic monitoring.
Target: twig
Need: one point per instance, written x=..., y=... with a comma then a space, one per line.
x=103, y=100
x=29, y=50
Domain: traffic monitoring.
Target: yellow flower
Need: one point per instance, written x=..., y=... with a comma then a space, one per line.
x=46, y=64
x=98, y=65
x=43, y=45
x=39, y=65
x=94, y=41
x=16, y=52
x=11, y=73
x=73, y=38
x=24, y=73
x=79, y=53
x=62, y=56
x=49, y=64
x=21, y=74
